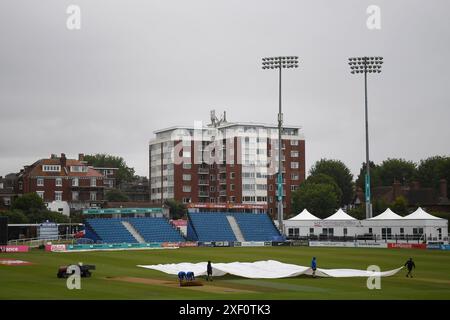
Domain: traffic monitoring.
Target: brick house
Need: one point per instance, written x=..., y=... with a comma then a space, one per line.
x=58, y=179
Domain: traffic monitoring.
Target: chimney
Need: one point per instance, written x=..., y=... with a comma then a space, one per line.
x=443, y=189
x=63, y=159
x=53, y=156
x=81, y=156
x=396, y=187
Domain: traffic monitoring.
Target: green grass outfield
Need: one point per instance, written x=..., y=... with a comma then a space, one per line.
x=38, y=281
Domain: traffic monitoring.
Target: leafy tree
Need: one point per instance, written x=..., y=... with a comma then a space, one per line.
x=400, y=206
x=39, y=216
x=28, y=202
x=318, y=198
x=124, y=173
x=375, y=180
x=358, y=212
x=321, y=178
x=379, y=206
x=341, y=175
x=396, y=169
x=116, y=195
x=15, y=216
x=177, y=209
x=431, y=170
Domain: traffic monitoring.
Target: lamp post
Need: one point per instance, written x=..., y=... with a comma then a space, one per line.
x=366, y=65
x=280, y=63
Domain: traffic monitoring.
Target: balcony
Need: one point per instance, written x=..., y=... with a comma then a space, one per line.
x=223, y=193
x=203, y=194
x=223, y=181
x=222, y=168
x=203, y=182
x=203, y=170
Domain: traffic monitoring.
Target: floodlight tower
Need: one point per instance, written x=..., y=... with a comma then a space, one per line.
x=366, y=65
x=280, y=63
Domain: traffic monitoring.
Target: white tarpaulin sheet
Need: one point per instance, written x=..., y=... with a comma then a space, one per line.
x=269, y=269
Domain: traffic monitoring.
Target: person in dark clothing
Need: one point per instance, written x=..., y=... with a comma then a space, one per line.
x=410, y=265
x=181, y=276
x=209, y=272
x=314, y=266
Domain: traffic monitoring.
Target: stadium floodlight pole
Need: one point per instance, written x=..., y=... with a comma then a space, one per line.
x=366, y=65
x=280, y=63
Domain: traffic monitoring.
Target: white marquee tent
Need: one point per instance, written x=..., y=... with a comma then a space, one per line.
x=304, y=215
x=340, y=215
x=422, y=215
x=388, y=224
x=388, y=214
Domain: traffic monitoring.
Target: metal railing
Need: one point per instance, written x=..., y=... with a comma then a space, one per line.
x=36, y=242
x=414, y=238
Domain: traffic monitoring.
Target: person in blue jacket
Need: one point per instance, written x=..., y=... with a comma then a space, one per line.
x=181, y=276
x=314, y=266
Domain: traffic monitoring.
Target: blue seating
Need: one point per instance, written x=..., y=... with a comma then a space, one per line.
x=156, y=229
x=213, y=226
x=111, y=230
x=256, y=227
x=209, y=226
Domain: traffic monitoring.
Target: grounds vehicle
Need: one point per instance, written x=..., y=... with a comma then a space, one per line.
x=85, y=271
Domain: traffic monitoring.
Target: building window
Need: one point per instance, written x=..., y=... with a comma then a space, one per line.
x=40, y=182
x=270, y=199
x=231, y=175
x=186, y=154
x=186, y=200
x=270, y=187
x=294, y=154
x=212, y=200
x=295, y=176
x=232, y=187
x=294, y=165
x=79, y=169
x=40, y=194
x=186, y=188
x=294, y=142
x=186, y=177
x=370, y=230
x=58, y=182
x=75, y=182
x=212, y=189
x=345, y=231
x=58, y=196
x=311, y=230
x=187, y=166
x=293, y=188
x=93, y=196
x=75, y=196
x=232, y=199
x=51, y=168
x=93, y=182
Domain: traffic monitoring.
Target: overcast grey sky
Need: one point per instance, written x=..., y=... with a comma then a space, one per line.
x=138, y=66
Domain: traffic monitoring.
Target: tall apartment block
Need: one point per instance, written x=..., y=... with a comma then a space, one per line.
x=225, y=162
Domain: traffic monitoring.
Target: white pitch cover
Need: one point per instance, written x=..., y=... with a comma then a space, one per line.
x=269, y=269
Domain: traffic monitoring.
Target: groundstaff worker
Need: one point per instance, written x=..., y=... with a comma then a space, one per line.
x=410, y=265
x=209, y=272
x=314, y=266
